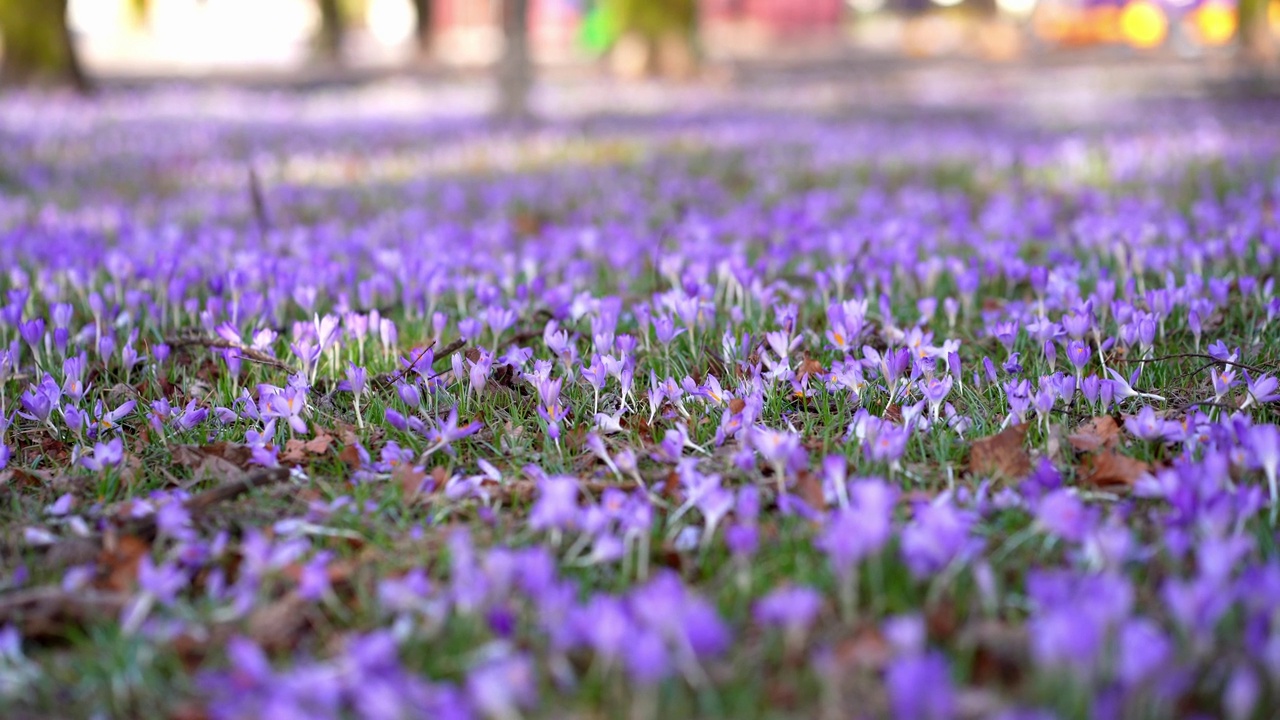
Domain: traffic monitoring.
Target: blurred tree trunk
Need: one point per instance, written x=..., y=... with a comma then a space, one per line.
x=333, y=30
x=515, y=69
x=424, y=25
x=1254, y=32
x=37, y=44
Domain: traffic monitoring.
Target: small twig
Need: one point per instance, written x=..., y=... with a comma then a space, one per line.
x=200, y=502
x=1197, y=371
x=1206, y=403
x=414, y=363
x=450, y=349
x=526, y=490
x=245, y=352
x=236, y=488
x=1202, y=356
x=45, y=610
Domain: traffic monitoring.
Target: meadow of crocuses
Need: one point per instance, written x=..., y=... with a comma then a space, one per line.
x=719, y=414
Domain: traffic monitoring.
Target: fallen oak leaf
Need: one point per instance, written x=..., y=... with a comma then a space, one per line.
x=1001, y=455
x=1099, y=432
x=293, y=453
x=318, y=445
x=410, y=480
x=280, y=625
x=213, y=467
x=865, y=649
x=218, y=461
x=893, y=413
x=298, y=451
x=1109, y=468
x=808, y=367
x=118, y=562
x=809, y=488
x=350, y=456
x=26, y=478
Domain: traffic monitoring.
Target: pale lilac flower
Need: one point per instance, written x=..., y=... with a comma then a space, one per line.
x=446, y=432
x=1147, y=426
x=920, y=687
x=105, y=455
x=557, y=504
x=793, y=609
x=1262, y=390
x=288, y=405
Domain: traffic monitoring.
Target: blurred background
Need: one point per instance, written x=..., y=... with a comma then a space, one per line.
x=92, y=43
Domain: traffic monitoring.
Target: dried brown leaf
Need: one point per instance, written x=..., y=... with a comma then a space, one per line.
x=350, y=457
x=239, y=456
x=809, y=366
x=1100, y=432
x=216, y=468
x=279, y=626
x=866, y=649
x=318, y=445
x=1109, y=469
x=1001, y=455
x=293, y=452
x=409, y=480
x=27, y=478
x=299, y=451
x=118, y=563
x=809, y=488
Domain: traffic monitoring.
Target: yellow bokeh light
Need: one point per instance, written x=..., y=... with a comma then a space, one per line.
x=1143, y=24
x=1215, y=23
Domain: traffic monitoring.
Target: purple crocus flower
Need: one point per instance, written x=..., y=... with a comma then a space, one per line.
x=446, y=432
x=32, y=332
x=1144, y=650
x=793, y=609
x=162, y=581
x=863, y=528
x=1065, y=515
x=110, y=420
x=38, y=403
x=313, y=583
x=920, y=687
x=105, y=455
x=557, y=504
x=502, y=687
x=1264, y=441
x=1147, y=426
x=192, y=416
x=1262, y=390
x=887, y=444
x=935, y=391
x=288, y=405
x=409, y=394
x=1078, y=354
x=647, y=659
x=937, y=535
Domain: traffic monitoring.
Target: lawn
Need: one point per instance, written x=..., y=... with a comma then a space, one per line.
x=730, y=414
